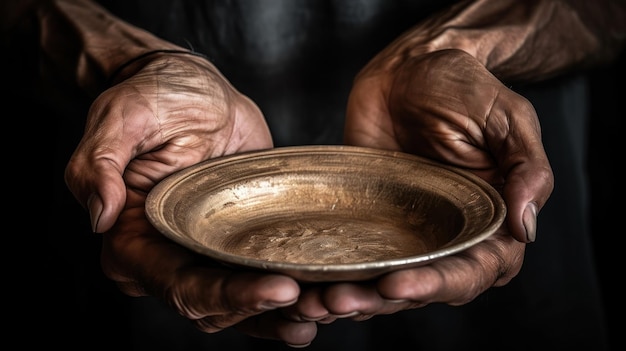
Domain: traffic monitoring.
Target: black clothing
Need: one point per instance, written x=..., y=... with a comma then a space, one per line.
x=296, y=60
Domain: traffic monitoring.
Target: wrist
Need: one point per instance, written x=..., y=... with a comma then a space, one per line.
x=515, y=40
x=86, y=44
x=134, y=64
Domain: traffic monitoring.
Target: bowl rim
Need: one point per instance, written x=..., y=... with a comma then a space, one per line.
x=308, y=271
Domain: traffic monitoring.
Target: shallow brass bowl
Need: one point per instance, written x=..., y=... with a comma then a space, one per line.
x=325, y=213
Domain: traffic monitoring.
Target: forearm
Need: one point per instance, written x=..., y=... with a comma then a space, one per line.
x=524, y=40
x=82, y=42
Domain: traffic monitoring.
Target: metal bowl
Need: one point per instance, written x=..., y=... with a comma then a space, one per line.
x=325, y=213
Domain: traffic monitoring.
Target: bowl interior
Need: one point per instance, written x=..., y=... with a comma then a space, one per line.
x=324, y=213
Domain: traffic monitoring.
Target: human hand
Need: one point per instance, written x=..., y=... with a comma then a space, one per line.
x=446, y=106
x=173, y=111
x=170, y=113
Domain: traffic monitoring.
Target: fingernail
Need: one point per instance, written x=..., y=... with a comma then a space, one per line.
x=348, y=315
x=397, y=301
x=313, y=319
x=299, y=346
x=94, y=205
x=271, y=305
x=530, y=221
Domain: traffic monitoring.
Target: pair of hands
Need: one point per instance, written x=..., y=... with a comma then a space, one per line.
x=173, y=111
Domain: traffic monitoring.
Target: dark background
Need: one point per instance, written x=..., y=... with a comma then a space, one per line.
x=56, y=292
x=54, y=270
x=87, y=304
x=605, y=165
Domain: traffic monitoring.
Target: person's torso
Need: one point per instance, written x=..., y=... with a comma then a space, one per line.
x=295, y=58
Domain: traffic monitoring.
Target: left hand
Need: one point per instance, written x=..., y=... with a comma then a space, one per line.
x=446, y=106
x=171, y=112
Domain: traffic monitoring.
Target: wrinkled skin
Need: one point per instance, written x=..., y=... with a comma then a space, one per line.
x=173, y=113
x=177, y=111
x=446, y=106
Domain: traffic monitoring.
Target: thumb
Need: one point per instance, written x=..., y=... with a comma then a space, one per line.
x=99, y=187
x=526, y=190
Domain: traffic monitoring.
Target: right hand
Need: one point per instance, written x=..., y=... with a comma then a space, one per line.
x=173, y=111
x=446, y=106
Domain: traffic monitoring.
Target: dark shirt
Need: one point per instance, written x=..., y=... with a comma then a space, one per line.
x=295, y=58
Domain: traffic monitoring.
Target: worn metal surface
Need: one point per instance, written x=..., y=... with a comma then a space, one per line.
x=325, y=213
